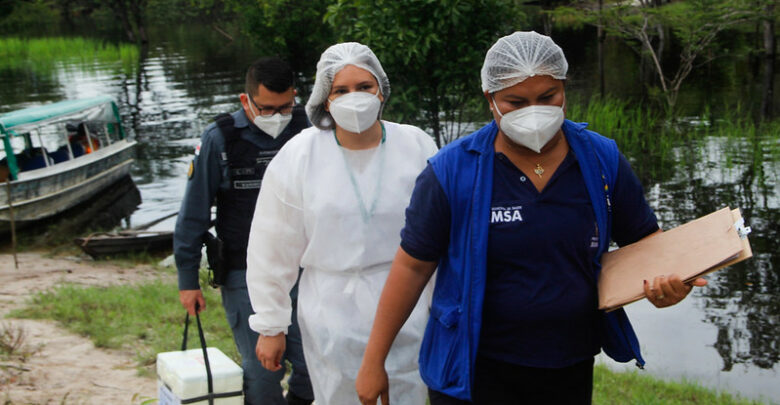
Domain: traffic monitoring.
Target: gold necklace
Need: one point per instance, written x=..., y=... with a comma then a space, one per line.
x=539, y=170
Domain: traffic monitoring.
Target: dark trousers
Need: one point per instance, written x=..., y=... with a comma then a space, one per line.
x=499, y=383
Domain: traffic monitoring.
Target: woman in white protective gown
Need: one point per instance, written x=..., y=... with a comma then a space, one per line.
x=332, y=202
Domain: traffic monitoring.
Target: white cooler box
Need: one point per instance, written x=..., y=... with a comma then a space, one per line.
x=181, y=377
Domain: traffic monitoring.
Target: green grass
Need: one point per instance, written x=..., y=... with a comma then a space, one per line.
x=42, y=55
x=145, y=318
x=626, y=122
x=639, y=388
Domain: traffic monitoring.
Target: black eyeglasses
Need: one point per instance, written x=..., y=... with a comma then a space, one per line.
x=269, y=111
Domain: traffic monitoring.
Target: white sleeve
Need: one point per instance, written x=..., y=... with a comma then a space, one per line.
x=276, y=243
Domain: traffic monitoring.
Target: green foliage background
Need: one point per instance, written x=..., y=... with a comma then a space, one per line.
x=431, y=49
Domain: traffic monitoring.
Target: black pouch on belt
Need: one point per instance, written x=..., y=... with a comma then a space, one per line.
x=215, y=253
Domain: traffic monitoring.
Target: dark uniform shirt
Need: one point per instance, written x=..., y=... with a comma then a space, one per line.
x=209, y=173
x=540, y=303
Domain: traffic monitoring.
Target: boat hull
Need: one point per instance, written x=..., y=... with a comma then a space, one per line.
x=107, y=244
x=46, y=192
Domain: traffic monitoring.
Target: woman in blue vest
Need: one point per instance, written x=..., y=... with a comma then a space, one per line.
x=516, y=217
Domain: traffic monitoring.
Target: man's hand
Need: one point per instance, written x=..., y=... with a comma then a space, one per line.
x=667, y=291
x=269, y=351
x=189, y=298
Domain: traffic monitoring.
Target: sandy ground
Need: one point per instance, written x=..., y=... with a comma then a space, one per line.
x=63, y=368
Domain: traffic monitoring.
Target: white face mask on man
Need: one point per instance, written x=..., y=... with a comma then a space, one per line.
x=356, y=111
x=531, y=126
x=272, y=125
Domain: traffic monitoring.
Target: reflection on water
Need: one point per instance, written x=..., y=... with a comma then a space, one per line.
x=737, y=316
x=725, y=335
x=742, y=300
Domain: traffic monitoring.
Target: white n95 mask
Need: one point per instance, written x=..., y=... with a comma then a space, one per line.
x=356, y=111
x=531, y=126
x=272, y=125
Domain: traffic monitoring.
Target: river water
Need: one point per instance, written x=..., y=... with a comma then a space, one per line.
x=725, y=336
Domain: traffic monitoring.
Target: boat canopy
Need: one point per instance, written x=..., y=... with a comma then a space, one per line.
x=102, y=109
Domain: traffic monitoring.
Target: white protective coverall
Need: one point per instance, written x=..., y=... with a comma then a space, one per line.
x=308, y=215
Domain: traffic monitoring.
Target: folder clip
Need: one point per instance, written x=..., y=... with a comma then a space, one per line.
x=742, y=230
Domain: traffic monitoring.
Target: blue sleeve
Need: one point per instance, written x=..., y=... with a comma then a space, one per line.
x=632, y=217
x=426, y=234
x=194, y=217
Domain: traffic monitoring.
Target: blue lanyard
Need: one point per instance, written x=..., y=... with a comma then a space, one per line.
x=366, y=213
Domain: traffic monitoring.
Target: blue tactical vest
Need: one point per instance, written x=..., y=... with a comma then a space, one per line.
x=464, y=169
x=246, y=166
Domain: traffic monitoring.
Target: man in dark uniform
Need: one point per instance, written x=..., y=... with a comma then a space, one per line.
x=228, y=167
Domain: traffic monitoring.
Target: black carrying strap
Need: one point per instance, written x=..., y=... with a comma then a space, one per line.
x=211, y=396
x=226, y=125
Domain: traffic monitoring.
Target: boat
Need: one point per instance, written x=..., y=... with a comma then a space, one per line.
x=121, y=242
x=58, y=155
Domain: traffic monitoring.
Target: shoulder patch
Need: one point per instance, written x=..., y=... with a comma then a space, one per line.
x=197, y=149
x=191, y=170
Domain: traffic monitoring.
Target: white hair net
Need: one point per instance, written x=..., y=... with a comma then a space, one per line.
x=521, y=55
x=331, y=62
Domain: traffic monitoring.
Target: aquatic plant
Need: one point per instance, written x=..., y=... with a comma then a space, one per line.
x=43, y=55
x=659, y=144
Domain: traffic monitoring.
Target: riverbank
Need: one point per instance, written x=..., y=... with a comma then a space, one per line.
x=42, y=362
x=56, y=361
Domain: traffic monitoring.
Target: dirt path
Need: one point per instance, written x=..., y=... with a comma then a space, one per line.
x=62, y=367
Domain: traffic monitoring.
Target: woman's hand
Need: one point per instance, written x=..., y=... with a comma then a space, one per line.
x=403, y=288
x=667, y=291
x=269, y=351
x=372, y=384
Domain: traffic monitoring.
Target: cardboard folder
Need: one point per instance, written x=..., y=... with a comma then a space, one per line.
x=691, y=250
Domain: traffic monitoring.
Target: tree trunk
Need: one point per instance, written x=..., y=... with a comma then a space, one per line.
x=659, y=50
x=138, y=9
x=434, y=117
x=601, y=37
x=120, y=11
x=769, y=63
x=547, y=22
x=67, y=13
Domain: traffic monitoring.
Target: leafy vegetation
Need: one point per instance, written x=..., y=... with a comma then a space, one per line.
x=431, y=50
x=292, y=29
x=651, y=137
x=695, y=26
x=27, y=16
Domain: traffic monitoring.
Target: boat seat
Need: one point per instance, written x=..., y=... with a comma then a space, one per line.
x=61, y=154
x=78, y=149
x=32, y=159
x=5, y=172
